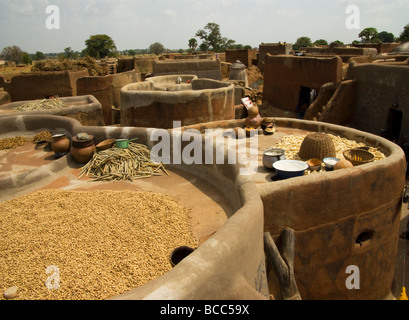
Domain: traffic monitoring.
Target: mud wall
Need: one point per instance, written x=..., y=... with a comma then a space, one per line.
x=335, y=103
x=341, y=218
x=32, y=86
x=380, y=47
x=4, y=97
x=107, y=90
x=85, y=109
x=272, y=49
x=244, y=56
x=383, y=90
x=202, y=68
x=207, y=100
x=285, y=75
x=345, y=53
x=228, y=266
x=125, y=65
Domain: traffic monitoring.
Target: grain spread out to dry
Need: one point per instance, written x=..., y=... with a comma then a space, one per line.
x=15, y=142
x=103, y=243
x=291, y=144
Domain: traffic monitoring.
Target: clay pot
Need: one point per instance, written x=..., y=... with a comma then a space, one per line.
x=82, y=150
x=253, y=121
x=343, y=164
x=253, y=112
x=60, y=143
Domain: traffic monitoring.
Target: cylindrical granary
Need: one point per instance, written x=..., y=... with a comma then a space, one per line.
x=160, y=101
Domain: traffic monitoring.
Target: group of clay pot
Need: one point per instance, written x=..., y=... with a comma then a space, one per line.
x=81, y=146
x=254, y=121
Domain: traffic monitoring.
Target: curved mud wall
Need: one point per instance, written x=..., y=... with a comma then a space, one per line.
x=229, y=265
x=144, y=106
x=86, y=109
x=330, y=211
x=40, y=85
x=107, y=89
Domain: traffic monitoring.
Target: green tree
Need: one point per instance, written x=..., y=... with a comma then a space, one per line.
x=336, y=43
x=369, y=35
x=25, y=58
x=239, y=46
x=386, y=37
x=204, y=47
x=302, y=42
x=39, y=56
x=132, y=52
x=212, y=39
x=320, y=42
x=404, y=36
x=70, y=54
x=156, y=48
x=12, y=53
x=100, y=46
x=193, y=44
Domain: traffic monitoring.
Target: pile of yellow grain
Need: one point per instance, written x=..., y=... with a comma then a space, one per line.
x=103, y=243
x=15, y=142
x=11, y=143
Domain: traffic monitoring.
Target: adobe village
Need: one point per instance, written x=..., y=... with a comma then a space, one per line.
x=269, y=173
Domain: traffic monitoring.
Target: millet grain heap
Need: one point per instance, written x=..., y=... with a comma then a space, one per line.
x=104, y=243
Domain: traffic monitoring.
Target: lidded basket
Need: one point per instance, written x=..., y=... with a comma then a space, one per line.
x=317, y=145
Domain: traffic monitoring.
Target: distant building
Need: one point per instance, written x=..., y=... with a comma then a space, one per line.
x=273, y=49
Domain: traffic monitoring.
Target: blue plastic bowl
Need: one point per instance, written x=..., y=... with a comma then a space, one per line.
x=290, y=168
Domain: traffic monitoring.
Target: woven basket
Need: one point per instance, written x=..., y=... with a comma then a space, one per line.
x=358, y=156
x=317, y=145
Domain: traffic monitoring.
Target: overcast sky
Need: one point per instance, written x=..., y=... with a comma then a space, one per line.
x=139, y=23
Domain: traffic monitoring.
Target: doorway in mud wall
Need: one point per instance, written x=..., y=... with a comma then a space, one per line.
x=394, y=124
x=306, y=97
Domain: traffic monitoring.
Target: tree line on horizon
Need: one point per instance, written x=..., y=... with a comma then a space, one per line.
x=101, y=45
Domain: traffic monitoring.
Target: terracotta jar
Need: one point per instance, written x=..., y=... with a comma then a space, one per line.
x=253, y=121
x=60, y=143
x=82, y=150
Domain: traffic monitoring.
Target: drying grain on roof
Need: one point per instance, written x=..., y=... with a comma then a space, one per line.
x=104, y=243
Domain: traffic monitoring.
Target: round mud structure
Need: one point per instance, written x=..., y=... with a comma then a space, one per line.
x=342, y=218
x=159, y=101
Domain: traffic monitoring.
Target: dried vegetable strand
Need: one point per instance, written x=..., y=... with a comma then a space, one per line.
x=122, y=164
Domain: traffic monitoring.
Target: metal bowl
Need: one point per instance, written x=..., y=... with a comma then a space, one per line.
x=270, y=156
